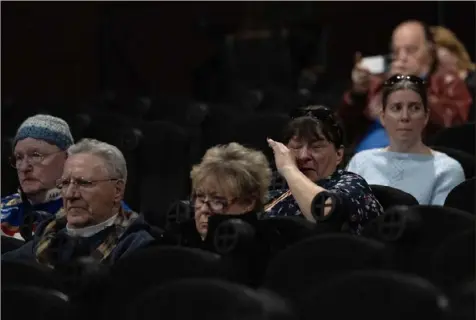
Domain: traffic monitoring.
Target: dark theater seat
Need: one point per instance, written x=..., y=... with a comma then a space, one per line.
x=390, y=197
x=462, y=196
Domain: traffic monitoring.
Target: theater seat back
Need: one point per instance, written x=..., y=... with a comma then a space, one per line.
x=462, y=196
x=390, y=197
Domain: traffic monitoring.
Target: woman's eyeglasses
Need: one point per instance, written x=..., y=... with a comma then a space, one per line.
x=400, y=77
x=215, y=204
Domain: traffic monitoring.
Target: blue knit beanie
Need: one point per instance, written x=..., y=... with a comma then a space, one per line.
x=45, y=127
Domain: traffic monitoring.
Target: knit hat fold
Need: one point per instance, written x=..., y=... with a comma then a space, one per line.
x=45, y=127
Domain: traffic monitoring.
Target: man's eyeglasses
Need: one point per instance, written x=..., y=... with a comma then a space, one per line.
x=400, y=77
x=215, y=204
x=32, y=159
x=80, y=183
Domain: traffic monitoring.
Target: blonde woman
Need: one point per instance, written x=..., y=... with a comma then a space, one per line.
x=451, y=52
x=453, y=55
x=230, y=180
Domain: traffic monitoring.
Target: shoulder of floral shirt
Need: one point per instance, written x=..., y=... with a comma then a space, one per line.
x=347, y=179
x=342, y=174
x=273, y=194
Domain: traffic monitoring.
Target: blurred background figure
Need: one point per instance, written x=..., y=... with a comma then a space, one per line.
x=453, y=55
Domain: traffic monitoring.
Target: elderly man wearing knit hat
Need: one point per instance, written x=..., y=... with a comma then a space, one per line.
x=39, y=154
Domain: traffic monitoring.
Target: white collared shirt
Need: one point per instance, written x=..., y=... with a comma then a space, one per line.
x=91, y=230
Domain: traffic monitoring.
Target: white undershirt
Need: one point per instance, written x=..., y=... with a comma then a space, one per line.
x=91, y=230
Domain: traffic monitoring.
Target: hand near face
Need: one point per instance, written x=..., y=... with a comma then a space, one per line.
x=283, y=157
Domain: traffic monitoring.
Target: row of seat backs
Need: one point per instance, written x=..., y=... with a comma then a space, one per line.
x=406, y=296
x=434, y=242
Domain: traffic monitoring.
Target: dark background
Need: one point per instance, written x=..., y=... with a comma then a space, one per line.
x=69, y=52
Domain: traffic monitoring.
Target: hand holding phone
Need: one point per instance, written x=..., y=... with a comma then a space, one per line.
x=360, y=75
x=374, y=64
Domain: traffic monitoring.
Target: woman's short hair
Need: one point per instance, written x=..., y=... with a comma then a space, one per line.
x=242, y=172
x=404, y=82
x=447, y=39
x=315, y=123
x=112, y=156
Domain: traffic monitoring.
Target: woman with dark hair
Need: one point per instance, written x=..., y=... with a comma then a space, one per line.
x=309, y=163
x=407, y=163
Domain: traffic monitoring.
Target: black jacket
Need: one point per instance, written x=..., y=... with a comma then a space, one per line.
x=68, y=249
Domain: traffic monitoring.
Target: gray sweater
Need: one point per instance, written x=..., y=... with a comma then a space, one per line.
x=429, y=178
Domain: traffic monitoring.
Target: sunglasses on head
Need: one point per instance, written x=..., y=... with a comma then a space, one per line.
x=400, y=77
x=319, y=113
x=322, y=114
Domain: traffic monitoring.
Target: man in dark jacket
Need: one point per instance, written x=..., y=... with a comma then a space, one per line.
x=413, y=53
x=93, y=223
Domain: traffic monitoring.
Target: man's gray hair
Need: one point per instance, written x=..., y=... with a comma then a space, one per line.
x=113, y=157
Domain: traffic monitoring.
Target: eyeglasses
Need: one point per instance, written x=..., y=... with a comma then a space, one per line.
x=32, y=159
x=215, y=204
x=81, y=183
x=400, y=77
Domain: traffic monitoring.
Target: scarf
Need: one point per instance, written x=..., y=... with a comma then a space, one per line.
x=44, y=249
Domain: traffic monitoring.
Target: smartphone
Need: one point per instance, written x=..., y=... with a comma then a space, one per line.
x=375, y=64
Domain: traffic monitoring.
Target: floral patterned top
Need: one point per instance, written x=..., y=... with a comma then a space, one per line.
x=353, y=190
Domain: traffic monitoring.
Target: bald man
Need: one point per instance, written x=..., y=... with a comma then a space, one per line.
x=413, y=53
